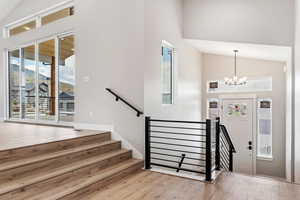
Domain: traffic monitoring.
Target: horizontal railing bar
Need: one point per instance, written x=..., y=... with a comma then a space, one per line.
x=224, y=156
x=175, y=121
x=176, y=139
x=227, y=137
x=179, y=127
x=164, y=154
x=166, y=132
x=224, y=160
x=173, y=161
x=182, y=169
x=179, y=145
x=177, y=150
x=227, y=147
x=225, y=167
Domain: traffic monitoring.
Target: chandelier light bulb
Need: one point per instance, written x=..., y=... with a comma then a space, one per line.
x=235, y=80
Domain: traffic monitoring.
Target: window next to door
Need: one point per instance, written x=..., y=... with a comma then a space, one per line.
x=41, y=81
x=264, y=139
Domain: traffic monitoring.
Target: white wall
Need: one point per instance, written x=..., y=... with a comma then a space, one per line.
x=216, y=67
x=297, y=96
x=109, y=43
x=163, y=21
x=248, y=21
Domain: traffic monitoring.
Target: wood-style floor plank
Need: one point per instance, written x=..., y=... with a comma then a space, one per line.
x=147, y=185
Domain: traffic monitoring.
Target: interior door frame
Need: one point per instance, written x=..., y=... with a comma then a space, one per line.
x=253, y=98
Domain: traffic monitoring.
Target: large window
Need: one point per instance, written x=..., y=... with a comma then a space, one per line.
x=42, y=80
x=167, y=72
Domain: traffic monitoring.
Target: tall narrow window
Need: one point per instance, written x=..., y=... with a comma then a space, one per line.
x=14, y=84
x=264, y=147
x=28, y=70
x=167, y=73
x=47, y=82
x=66, y=78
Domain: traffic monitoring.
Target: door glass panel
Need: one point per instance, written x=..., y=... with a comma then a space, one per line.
x=46, y=84
x=66, y=78
x=14, y=84
x=28, y=70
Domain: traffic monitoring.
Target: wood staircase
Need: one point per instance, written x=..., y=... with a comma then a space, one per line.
x=68, y=169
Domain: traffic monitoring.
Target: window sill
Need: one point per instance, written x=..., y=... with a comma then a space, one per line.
x=265, y=158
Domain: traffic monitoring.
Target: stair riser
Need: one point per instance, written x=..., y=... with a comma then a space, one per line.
x=83, y=192
x=24, y=152
x=55, y=162
x=62, y=180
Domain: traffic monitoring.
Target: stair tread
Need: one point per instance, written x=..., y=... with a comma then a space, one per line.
x=38, y=177
x=26, y=161
x=73, y=186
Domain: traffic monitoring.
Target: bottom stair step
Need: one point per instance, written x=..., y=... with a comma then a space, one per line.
x=77, y=188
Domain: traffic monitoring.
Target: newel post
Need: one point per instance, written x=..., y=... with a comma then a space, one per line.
x=218, y=164
x=208, y=151
x=147, y=143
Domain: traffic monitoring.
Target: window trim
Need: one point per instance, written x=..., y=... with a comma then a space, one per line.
x=37, y=17
x=165, y=43
x=6, y=51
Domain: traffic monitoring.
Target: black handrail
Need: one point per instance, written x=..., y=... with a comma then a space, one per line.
x=227, y=137
x=139, y=113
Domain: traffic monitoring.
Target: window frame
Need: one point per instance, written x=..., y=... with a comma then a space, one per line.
x=166, y=44
x=7, y=81
x=260, y=156
x=37, y=17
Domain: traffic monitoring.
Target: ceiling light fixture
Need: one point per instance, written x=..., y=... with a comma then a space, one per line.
x=27, y=28
x=235, y=80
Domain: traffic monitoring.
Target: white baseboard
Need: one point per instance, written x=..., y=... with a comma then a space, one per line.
x=114, y=135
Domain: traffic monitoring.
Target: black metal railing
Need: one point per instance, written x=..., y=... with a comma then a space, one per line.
x=189, y=146
x=139, y=113
x=226, y=150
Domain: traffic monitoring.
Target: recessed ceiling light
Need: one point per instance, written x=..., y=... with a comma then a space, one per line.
x=27, y=28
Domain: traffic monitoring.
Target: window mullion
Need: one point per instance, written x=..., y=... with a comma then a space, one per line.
x=37, y=99
x=56, y=79
x=20, y=82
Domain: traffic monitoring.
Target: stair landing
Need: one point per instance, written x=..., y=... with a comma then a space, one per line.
x=15, y=135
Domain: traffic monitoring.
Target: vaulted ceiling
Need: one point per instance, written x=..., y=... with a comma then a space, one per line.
x=7, y=6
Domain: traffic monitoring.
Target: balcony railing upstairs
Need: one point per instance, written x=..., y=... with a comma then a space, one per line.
x=190, y=146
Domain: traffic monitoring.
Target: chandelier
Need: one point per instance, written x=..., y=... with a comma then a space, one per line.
x=235, y=80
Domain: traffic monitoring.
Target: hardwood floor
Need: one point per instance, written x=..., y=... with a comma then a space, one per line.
x=13, y=135
x=147, y=185
x=67, y=169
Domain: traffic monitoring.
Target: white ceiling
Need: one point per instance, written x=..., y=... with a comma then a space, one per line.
x=265, y=52
x=7, y=6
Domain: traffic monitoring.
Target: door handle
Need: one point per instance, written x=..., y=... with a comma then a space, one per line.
x=250, y=147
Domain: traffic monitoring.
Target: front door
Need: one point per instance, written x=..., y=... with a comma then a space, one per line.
x=237, y=115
